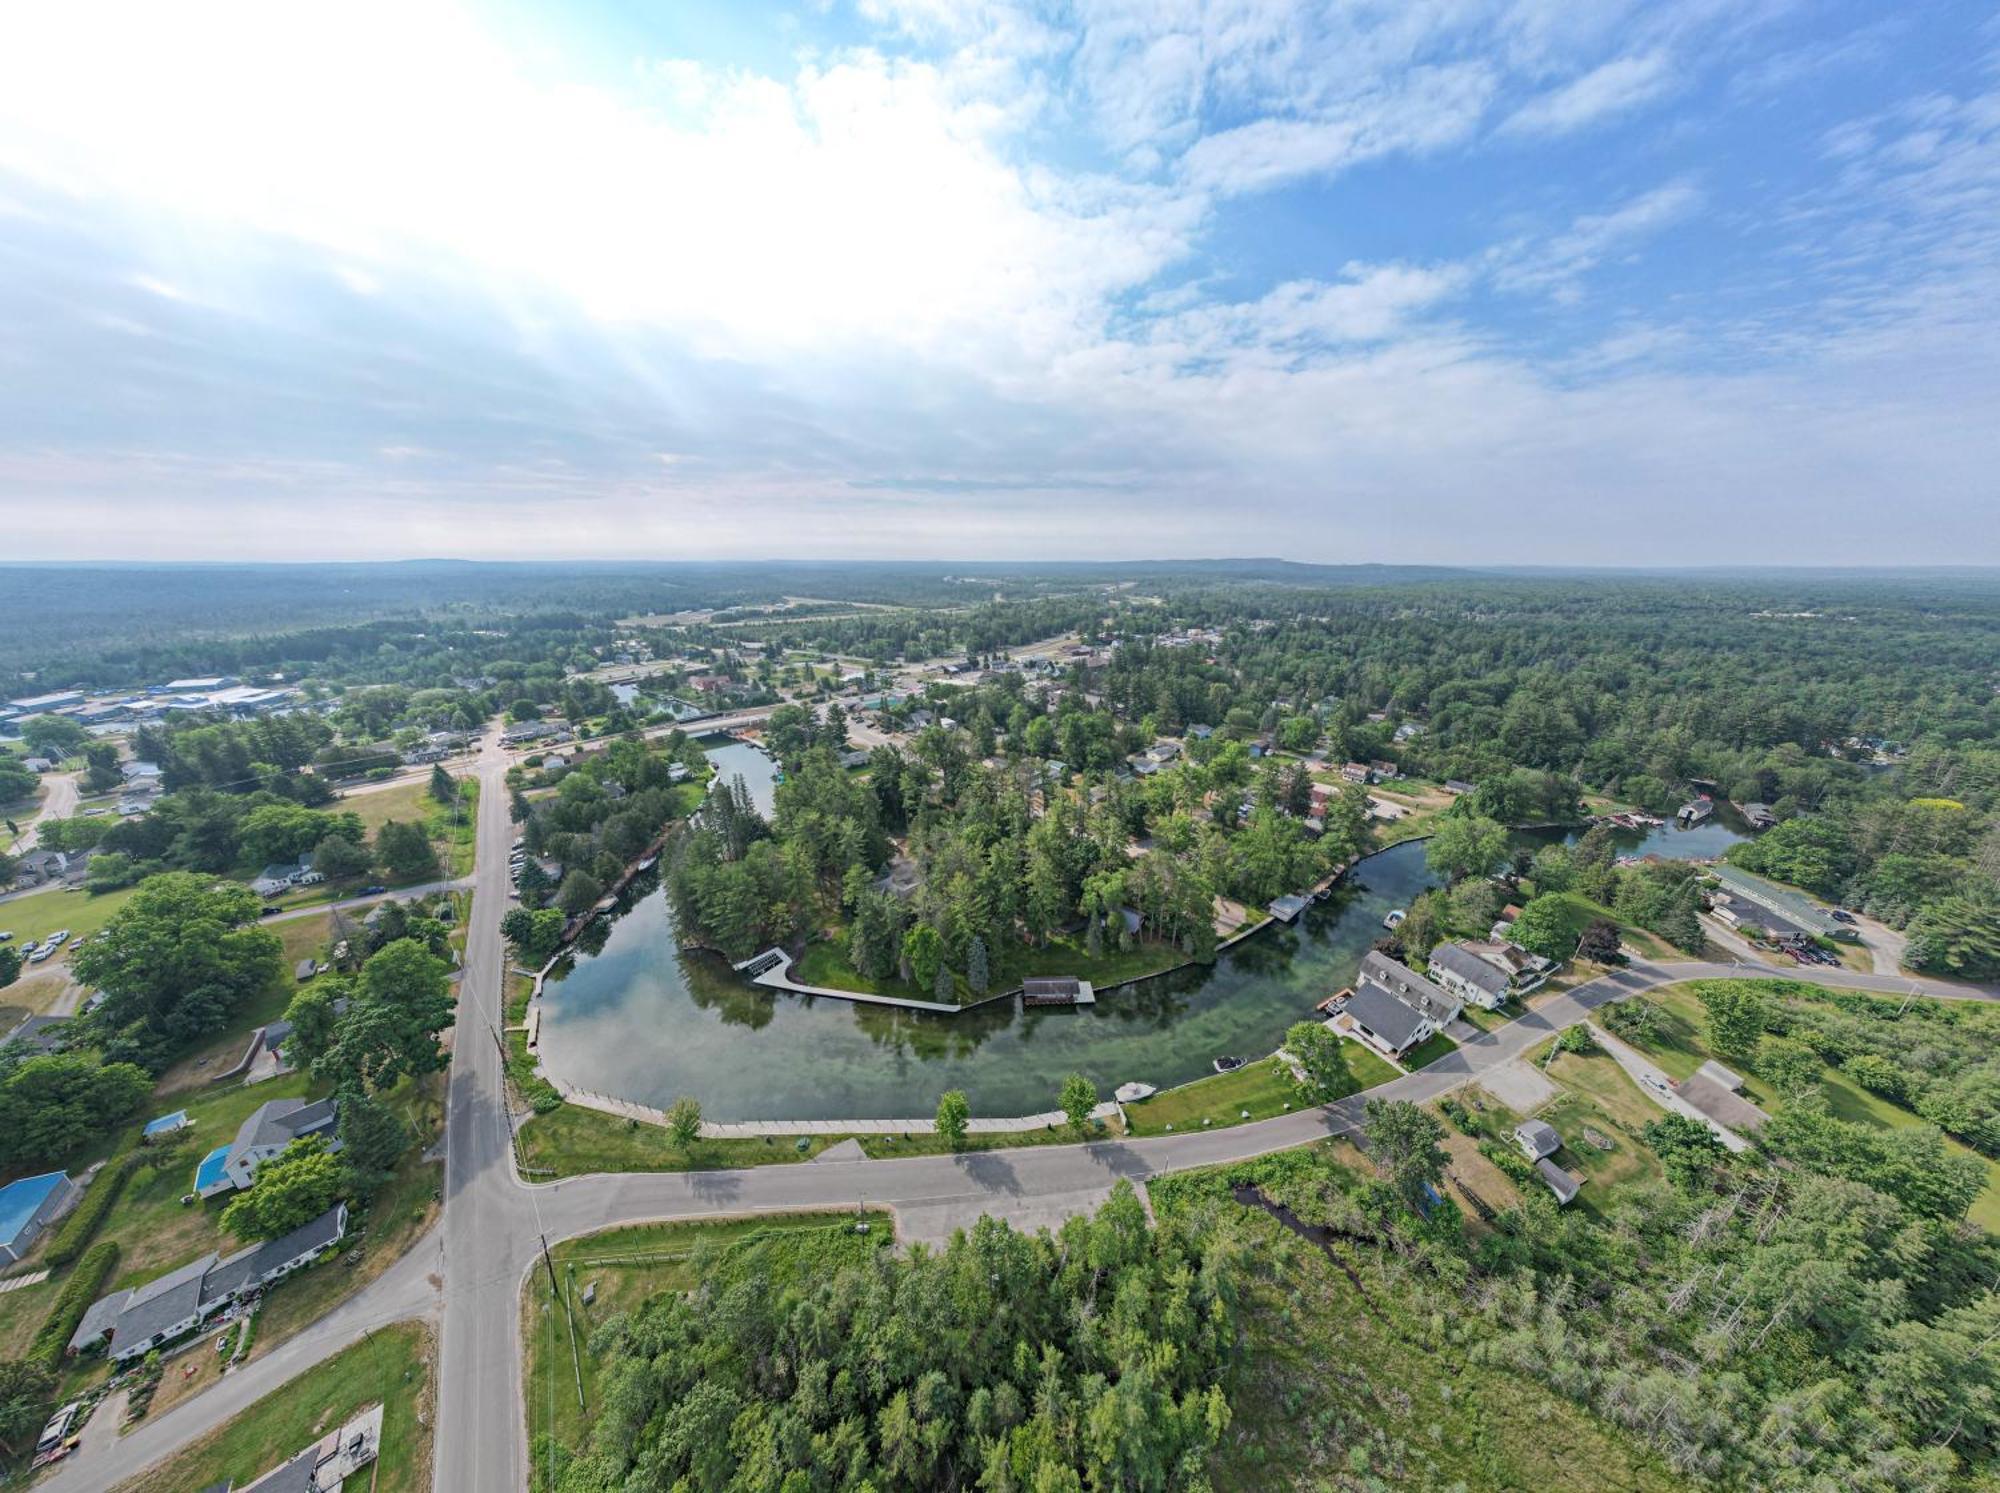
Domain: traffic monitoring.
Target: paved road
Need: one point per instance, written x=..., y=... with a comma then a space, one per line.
x=494, y=1222
x=59, y=804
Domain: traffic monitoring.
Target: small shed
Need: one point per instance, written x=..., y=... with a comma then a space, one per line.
x=304, y=970
x=1563, y=1184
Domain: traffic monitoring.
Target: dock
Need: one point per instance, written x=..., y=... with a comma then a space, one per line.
x=1057, y=990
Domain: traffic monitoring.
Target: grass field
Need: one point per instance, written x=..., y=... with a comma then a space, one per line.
x=573, y=1141
x=826, y=963
x=1428, y=1051
x=925, y=1143
x=628, y=1266
x=35, y=917
x=1598, y=1095
x=1263, y=1088
x=392, y=1366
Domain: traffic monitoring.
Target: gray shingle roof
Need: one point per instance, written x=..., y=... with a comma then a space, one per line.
x=161, y=1304
x=1460, y=961
x=282, y=1121
x=1540, y=1136
x=253, y=1266
x=1409, y=987
x=1384, y=1015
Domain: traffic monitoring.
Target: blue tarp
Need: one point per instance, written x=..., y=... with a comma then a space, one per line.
x=19, y=1200
x=210, y=1171
x=167, y=1123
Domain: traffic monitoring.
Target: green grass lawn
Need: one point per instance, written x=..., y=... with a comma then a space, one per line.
x=1264, y=1088
x=629, y=1266
x=926, y=1143
x=1428, y=1051
x=572, y=1141
x=392, y=1366
x=1598, y=1095
x=826, y=963
x=34, y=918
x=1485, y=1020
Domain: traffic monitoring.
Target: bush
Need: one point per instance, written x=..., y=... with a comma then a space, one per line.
x=85, y=1285
x=77, y=1229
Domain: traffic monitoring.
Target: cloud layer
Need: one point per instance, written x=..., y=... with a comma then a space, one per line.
x=1441, y=279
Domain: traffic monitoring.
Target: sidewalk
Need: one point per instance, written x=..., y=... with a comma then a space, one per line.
x=757, y=1129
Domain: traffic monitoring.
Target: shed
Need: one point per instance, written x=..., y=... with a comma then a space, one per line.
x=166, y=1125
x=27, y=1207
x=1563, y=1184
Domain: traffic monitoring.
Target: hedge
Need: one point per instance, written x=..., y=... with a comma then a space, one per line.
x=83, y=1287
x=97, y=1200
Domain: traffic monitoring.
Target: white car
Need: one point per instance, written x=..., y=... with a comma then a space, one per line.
x=58, y=938
x=36, y=956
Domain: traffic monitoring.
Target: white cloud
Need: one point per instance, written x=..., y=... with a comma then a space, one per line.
x=1617, y=87
x=1555, y=265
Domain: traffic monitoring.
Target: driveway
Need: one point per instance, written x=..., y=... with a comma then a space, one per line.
x=1654, y=1083
x=60, y=803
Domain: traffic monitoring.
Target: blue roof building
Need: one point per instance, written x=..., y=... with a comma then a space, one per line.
x=29, y=1206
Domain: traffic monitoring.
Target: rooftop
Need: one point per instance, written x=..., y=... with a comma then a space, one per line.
x=20, y=1200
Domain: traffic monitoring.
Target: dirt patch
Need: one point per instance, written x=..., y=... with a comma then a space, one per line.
x=1519, y=1086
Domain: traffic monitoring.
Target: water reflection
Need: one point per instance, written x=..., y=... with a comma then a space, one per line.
x=638, y=1016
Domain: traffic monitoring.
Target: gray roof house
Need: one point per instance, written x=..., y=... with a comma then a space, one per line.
x=1384, y=1022
x=1411, y=988
x=137, y=1320
x=1537, y=1139
x=27, y=1207
x=272, y=1127
x=1469, y=977
x=1392, y=1008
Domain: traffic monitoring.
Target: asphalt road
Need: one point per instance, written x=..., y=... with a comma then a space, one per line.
x=494, y=1223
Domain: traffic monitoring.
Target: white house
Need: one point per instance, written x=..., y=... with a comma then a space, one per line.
x=1472, y=979
x=1392, y=1008
x=272, y=1127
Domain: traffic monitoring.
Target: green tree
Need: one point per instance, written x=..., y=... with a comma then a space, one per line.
x=579, y=893
x=1690, y=1151
x=1318, y=1052
x=404, y=851
x=1406, y=1144
x=102, y=774
x=978, y=971
x=337, y=858
x=1600, y=943
x=390, y=1030
x=1077, y=1099
x=293, y=1188
x=1546, y=927
x=1465, y=845
x=27, y=1389
x=954, y=1113
x=373, y=1138
x=1735, y=1017
x=53, y=736
x=684, y=1121
x=313, y=1020
x=923, y=952
x=536, y=934
x=177, y=961
x=443, y=787
x=10, y=965
x=52, y=1104
x=1957, y=936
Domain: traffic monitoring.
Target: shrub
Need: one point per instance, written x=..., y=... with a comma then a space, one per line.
x=77, y=1229
x=85, y=1285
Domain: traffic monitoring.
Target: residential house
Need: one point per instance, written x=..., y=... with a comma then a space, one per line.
x=283, y=876
x=1537, y=1139
x=133, y=1322
x=1354, y=772
x=1717, y=1093
x=1201, y=733
x=1392, y=1008
x=30, y=1205
x=1382, y=772
x=41, y=867
x=1469, y=977
x=270, y=1128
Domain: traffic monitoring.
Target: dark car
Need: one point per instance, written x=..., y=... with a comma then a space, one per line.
x=1842, y=915
x=269, y=909
x=373, y=891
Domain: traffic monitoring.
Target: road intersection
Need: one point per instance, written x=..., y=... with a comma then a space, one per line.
x=467, y=1276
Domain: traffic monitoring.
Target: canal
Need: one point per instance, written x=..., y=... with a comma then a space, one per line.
x=643, y=1020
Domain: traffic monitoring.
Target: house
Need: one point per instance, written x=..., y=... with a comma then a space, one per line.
x=329, y=1464
x=270, y=1128
x=1472, y=979
x=1797, y=910
x=135, y=1321
x=1459, y=786
x=1409, y=731
x=1354, y=772
x=1537, y=1139
x=40, y=867
x=1392, y=1008
x=709, y=684
x=164, y=1126
x=1563, y=1184
x=901, y=878
x=38, y=764
x=1287, y=907
x=274, y=879
x=1716, y=1092
x=1201, y=733
x=1383, y=772
x=30, y=1205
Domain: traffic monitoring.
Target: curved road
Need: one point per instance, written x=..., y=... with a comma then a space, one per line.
x=494, y=1223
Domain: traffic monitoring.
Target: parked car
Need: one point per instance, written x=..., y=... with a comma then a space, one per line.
x=373, y=891
x=1842, y=915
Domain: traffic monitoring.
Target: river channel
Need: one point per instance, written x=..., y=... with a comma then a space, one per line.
x=643, y=1020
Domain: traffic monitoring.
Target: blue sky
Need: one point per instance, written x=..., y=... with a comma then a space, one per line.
x=1515, y=281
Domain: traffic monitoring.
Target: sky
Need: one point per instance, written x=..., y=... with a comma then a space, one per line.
x=1459, y=281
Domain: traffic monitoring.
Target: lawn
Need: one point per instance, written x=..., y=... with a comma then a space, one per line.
x=572, y=1141
x=1264, y=1088
x=626, y=1267
x=392, y=1365
x=35, y=917
x=825, y=963
x=1428, y=1051
x=928, y=1143
x=1598, y=1095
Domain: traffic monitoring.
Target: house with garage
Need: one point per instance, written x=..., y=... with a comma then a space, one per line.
x=1472, y=979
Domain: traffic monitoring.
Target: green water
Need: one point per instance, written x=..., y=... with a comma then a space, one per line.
x=639, y=1019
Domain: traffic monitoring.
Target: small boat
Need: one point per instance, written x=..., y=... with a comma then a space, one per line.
x=1395, y=918
x=1228, y=1065
x=1132, y=1093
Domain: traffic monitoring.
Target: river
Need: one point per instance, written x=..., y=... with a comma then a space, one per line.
x=642, y=1020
